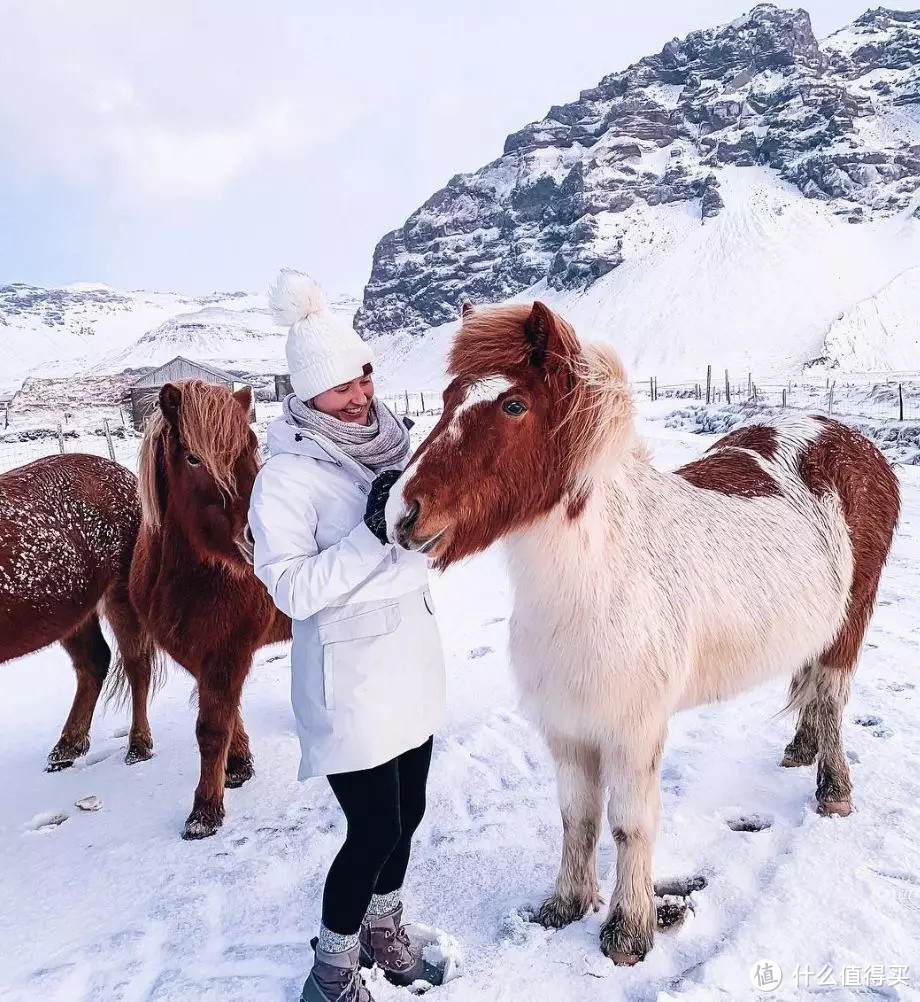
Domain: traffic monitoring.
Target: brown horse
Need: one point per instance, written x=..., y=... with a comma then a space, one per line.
x=198, y=595
x=68, y=526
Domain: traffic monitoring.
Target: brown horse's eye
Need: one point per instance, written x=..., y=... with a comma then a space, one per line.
x=193, y=460
x=514, y=407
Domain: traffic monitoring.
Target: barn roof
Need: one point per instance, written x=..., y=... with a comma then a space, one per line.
x=183, y=368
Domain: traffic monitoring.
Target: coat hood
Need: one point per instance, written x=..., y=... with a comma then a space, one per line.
x=286, y=438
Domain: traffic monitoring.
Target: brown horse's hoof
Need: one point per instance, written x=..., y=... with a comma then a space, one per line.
x=624, y=959
x=793, y=760
x=138, y=752
x=202, y=823
x=64, y=754
x=835, y=808
x=239, y=771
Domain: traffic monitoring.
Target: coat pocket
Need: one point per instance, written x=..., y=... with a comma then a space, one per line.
x=349, y=643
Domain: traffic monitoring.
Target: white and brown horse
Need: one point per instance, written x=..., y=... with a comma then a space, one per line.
x=630, y=602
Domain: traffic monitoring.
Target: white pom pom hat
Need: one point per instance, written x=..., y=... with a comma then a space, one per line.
x=322, y=350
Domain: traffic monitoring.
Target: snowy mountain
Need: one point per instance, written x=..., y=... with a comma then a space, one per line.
x=92, y=329
x=723, y=201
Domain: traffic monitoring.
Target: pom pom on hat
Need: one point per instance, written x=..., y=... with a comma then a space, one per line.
x=295, y=296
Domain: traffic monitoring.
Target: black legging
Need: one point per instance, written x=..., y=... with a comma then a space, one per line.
x=383, y=807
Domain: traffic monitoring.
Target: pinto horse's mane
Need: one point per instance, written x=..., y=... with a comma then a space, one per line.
x=212, y=427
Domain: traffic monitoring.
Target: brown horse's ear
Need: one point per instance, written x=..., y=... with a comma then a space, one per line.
x=170, y=399
x=542, y=333
x=466, y=308
x=243, y=396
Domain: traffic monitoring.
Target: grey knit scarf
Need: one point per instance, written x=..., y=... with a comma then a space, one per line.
x=381, y=445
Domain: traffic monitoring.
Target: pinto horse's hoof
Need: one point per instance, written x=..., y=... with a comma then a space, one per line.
x=239, y=771
x=202, y=823
x=835, y=808
x=557, y=912
x=626, y=940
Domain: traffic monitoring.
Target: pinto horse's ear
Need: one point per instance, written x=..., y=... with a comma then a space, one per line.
x=170, y=399
x=243, y=396
x=540, y=333
x=466, y=308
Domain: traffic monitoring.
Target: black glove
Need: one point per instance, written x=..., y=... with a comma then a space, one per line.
x=374, y=514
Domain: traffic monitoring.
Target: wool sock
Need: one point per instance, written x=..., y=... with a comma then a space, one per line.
x=335, y=942
x=383, y=904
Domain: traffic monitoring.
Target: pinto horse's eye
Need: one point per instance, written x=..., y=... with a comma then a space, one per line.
x=514, y=407
x=192, y=460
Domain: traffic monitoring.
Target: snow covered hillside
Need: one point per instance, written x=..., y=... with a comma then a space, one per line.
x=92, y=329
x=724, y=201
x=112, y=906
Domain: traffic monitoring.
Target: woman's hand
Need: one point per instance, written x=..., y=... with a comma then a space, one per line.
x=375, y=513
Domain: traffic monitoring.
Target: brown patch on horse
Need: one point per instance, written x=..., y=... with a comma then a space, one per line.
x=728, y=467
x=844, y=462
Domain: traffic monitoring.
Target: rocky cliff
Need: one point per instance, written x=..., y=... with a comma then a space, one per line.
x=837, y=119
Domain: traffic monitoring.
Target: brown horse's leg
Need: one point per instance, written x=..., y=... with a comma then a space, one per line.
x=137, y=656
x=239, y=757
x=90, y=655
x=219, y=691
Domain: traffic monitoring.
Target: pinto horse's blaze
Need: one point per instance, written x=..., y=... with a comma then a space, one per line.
x=638, y=592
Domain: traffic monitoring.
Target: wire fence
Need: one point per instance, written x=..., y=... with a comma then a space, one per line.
x=890, y=397
x=877, y=396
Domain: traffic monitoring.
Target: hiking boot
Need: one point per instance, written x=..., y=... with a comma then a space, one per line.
x=336, y=978
x=385, y=941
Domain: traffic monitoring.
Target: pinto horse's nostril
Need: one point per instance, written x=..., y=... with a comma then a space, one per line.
x=404, y=525
x=411, y=516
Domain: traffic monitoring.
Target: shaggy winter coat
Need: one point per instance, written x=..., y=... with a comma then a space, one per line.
x=367, y=669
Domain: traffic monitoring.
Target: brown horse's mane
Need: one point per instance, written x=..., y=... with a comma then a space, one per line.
x=210, y=429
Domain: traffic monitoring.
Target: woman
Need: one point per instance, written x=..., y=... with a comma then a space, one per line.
x=367, y=670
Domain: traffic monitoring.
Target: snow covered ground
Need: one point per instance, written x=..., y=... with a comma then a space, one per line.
x=112, y=905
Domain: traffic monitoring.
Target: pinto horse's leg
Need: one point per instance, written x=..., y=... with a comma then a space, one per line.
x=219, y=690
x=831, y=692
x=91, y=656
x=580, y=789
x=803, y=748
x=137, y=657
x=239, y=757
x=633, y=775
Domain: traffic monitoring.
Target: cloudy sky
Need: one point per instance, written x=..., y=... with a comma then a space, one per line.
x=193, y=145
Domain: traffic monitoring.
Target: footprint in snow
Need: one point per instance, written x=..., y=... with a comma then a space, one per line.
x=479, y=652
x=749, y=823
x=878, y=728
x=46, y=821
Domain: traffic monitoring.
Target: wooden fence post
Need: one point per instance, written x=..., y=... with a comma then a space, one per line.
x=422, y=395
x=750, y=386
x=60, y=438
x=108, y=438
x=728, y=390
x=900, y=402
x=830, y=398
x=407, y=401
x=784, y=396
x=708, y=383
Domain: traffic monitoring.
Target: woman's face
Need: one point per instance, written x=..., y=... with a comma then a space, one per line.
x=349, y=402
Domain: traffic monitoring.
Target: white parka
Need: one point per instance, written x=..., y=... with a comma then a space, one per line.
x=367, y=669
